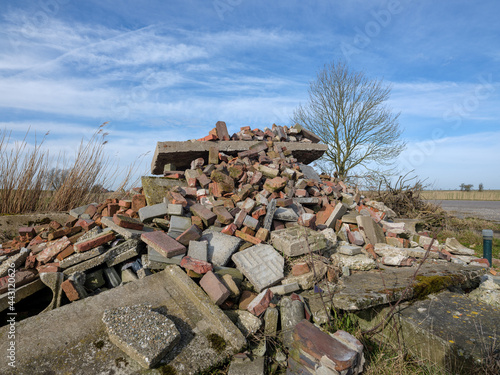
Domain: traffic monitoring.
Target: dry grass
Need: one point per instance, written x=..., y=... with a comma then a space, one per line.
x=485, y=195
x=25, y=171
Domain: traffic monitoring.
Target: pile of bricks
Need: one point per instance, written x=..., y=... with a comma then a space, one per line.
x=277, y=133
x=232, y=223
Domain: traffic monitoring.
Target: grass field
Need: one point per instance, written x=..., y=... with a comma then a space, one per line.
x=485, y=195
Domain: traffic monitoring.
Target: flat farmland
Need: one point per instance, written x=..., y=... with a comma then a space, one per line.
x=474, y=195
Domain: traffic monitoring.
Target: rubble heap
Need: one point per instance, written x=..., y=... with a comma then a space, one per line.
x=254, y=229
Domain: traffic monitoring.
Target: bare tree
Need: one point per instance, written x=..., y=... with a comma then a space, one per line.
x=349, y=113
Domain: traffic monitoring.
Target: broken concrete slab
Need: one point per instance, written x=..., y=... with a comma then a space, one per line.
x=448, y=329
x=182, y=153
x=291, y=312
x=113, y=256
x=261, y=264
x=53, y=280
x=80, y=343
x=150, y=337
x=366, y=289
x=247, y=366
x=455, y=247
x=246, y=322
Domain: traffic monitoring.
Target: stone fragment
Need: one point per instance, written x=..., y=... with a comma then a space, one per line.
x=349, y=250
x=246, y=322
x=339, y=210
x=292, y=312
x=215, y=289
x=112, y=277
x=358, y=262
x=81, y=257
x=148, y=339
x=372, y=232
x=455, y=247
x=297, y=241
x=178, y=224
x=261, y=264
x=285, y=288
x=220, y=246
x=17, y=259
x=128, y=275
x=286, y=214
x=271, y=321
x=261, y=302
x=163, y=243
x=253, y=366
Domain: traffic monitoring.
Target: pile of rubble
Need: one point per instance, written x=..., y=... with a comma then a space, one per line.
x=253, y=230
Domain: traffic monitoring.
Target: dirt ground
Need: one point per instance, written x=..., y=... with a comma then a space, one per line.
x=9, y=224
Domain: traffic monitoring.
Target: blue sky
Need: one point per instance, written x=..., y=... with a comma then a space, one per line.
x=169, y=70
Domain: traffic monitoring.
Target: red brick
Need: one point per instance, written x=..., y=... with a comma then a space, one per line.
x=127, y=222
x=55, y=225
x=94, y=242
x=247, y=237
x=163, y=243
x=20, y=278
x=193, y=233
x=49, y=267
x=64, y=231
x=300, y=269
x=195, y=220
x=275, y=184
x=321, y=347
x=176, y=198
x=51, y=251
x=261, y=211
x=27, y=231
x=215, y=289
x=248, y=231
x=30, y=262
x=196, y=265
x=85, y=224
x=125, y=203
x=206, y=215
x=70, y=290
x=66, y=252
x=262, y=234
x=229, y=229
x=370, y=249
x=138, y=202
x=260, y=303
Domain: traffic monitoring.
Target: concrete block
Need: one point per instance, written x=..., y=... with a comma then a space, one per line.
x=148, y=213
x=178, y=224
x=198, y=250
x=144, y=335
x=297, y=240
x=112, y=277
x=372, y=232
x=337, y=213
x=175, y=209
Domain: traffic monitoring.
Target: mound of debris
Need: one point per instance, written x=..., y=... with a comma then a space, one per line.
x=257, y=230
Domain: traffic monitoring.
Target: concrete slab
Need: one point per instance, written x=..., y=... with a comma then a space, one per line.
x=220, y=246
x=261, y=264
x=449, y=329
x=182, y=153
x=72, y=339
x=155, y=188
